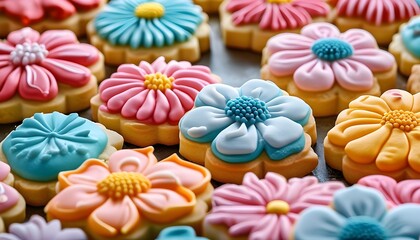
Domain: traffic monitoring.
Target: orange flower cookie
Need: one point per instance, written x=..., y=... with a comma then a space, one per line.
x=129, y=31
x=377, y=135
x=47, y=144
x=133, y=197
x=209, y=6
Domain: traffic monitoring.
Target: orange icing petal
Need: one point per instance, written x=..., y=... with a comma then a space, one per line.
x=365, y=149
x=370, y=103
x=132, y=160
x=393, y=155
x=90, y=173
x=114, y=217
x=352, y=129
x=398, y=99
x=414, y=155
x=416, y=103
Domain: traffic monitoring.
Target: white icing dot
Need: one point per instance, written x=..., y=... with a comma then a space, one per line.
x=28, y=53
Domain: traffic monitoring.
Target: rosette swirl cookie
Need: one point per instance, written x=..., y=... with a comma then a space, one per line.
x=45, y=15
x=255, y=128
x=248, y=24
x=144, y=103
x=209, y=6
x=326, y=68
x=129, y=31
x=38, y=229
x=377, y=135
x=264, y=208
x=47, y=144
x=380, y=17
x=358, y=213
x=133, y=197
x=46, y=72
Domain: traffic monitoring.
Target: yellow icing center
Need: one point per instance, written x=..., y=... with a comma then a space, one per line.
x=150, y=10
x=120, y=184
x=278, y=207
x=279, y=1
x=158, y=81
x=404, y=120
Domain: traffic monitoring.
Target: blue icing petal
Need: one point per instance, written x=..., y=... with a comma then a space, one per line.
x=261, y=89
x=411, y=37
x=403, y=221
x=179, y=233
x=47, y=144
x=286, y=151
x=291, y=107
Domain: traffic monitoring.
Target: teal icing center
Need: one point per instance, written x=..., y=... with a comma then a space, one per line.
x=411, y=37
x=247, y=110
x=362, y=228
x=332, y=49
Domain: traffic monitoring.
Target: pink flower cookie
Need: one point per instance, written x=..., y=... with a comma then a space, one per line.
x=248, y=24
x=264, y=208
x=326, y=68
x=46, y=72
x=144, y=103
x=45, y=15
x=133, y=197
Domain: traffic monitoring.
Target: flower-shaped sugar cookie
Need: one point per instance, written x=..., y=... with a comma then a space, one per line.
x=133, y=197
x=256, y=127
x=377, y=135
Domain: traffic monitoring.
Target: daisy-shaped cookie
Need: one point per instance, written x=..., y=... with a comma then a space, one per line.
x=129, y=31
x=326, y=68
x=377, y=135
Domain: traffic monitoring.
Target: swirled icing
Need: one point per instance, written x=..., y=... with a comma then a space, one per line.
x=38, y=229
x=8, y=197
x=31, y=64
x=267, y=208
x=272, y=123
x=321, y=56
x=410, y=35
x=154, y=93
x=379, y=11
x=119, y=24
x=178, y=233
x=32, y=11
x=47, y=144
x=276, y=15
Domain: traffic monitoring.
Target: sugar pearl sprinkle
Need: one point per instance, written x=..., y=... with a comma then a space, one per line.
x=28, y=53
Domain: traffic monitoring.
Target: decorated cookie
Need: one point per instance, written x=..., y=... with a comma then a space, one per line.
x=248, y=24
x=380, y=17
x=5, y=175
x=47, y=144
x=358, y=213
x=46, y=72
x=12, y=206
x=326, y=68
x=255, y=128
x=38, y=229
x=129, y=31
x=179, y=233
x=377, y=135
x=395, y=193
x=144, y=103
x=413, y=84
x=133, y=197
x=209, y=6
x=264, y=208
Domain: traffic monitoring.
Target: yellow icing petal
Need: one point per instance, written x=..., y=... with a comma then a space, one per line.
x=414, y=155
x=398, y=99
x=370, y=103
x=356, y=113
x=365, y=149
x=416, y=103
x=393, y=155
x=352, y=129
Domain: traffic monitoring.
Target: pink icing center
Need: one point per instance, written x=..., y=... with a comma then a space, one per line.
x=8, y=197
x=28, y=53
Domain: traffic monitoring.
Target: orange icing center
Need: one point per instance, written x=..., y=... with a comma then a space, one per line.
x=120, y=184
x=278, y=207
x=279, y=1
x=404, y=120
x=149, y=10
x=158, y=81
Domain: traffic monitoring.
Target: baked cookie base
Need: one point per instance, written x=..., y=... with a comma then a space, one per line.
x=76, y=23
x=209, y=6
x=219, y=231
x=404, y=58
x=413, y=84
x=187, y=51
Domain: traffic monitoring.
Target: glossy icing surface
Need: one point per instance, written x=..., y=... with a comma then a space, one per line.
x=38, y=229
x=31, y=64
x=179, y=233
x=156, y=194
x=378, y=12
x=267, y=208
x=32, y=11
x=130, y=22
x=241, y=123
x=359, y=213
x=8, y=197
x=410, y=35
x=47, y=144
x=381, y=130
x=4, y=170
x=154, y=93
x=276, y=15
x=321, y=56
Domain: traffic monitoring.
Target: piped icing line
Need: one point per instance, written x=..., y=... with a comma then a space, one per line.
x=47, y=144
x=410, y=35
x=32, y=64
x=154, y=93
x=378, y=12
x=276, y=15
x=148, y=23
x=8, y=197
x=321, y=56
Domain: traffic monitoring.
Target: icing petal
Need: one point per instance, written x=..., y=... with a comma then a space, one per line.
x=266, y=228
x=37, y=83
x=67, y=72
x=359, y=39
x=279, y=132
x=288, y=41
x=6, y=48
x=370, y=103
x=314, y=76
x=23, y=35
x=263, y=190
x=384, y=184
x=239, y=195
x=139, y=160
x=145, y=111
x=416, y=103
x=162, y=108
x=58, y=9
x=402, y=222
x=56, y=38
x=133, y=104
x=398, y=99
x=353, y=75
x=320, y=30
x=393, y=155
x=352, y=129
x=82, y=54
x=176, y=109
x=116, y=98
x=286, y=62
x=263, y=90
x=369, y=57
x=9, y=83
x=239, y=224
x=9, y=197
x=216, y=95
x=408, y=191
x=414, y=154
x=89, y=173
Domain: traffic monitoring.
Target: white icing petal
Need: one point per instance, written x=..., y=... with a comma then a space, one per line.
x=216, y=95
x=279, y=132
x=291, y=107
x=237, y=139
x=263, y=90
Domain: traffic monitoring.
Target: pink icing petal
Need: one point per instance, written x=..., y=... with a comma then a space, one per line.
x=67, y=72
x=268, y=227
x=314, y=8
x=245, y=226
x=233, y=195
x=177, y=110
x=4, y=170
x=132, y=161
x=186, y=96
x=8, y=196
x=352, y=75
x=288, y=41
x=145, y=112
x=108, y=89
x=117, y=100
x=90, y=176
x=85, y=4
x=147, y=67
x=234, y=5
x=320, y=30
x=56, y=38
x=162, y=108
x=23, y=35
x=159, y=65
x=163, y=179
x=252, y=12
x=359, y=39
x=82, y=54
x=193, y=78
x=369, y=57
x=263, y=187
x=27, y=11
x=6, y=48
x=58, y=9
x=9, y=83
x=285, y=63
x=130, y=71
x=314, y=76
x=131, y=106
x=385, y=185
x=409, y=191
x=37, y=83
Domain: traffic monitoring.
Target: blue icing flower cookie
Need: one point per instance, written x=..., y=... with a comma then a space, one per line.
x=179, y=233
